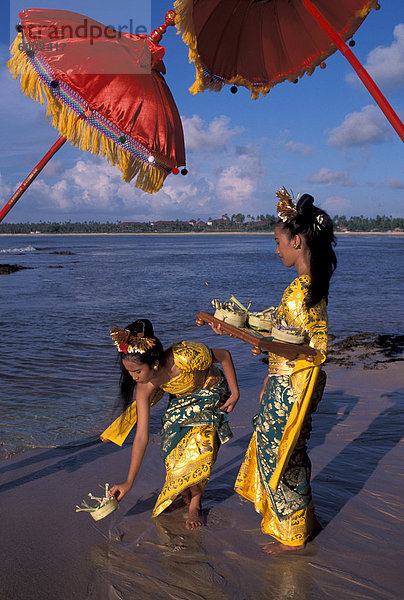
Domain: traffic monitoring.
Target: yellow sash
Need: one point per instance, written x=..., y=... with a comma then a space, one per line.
x=302, y=379
x=119, y=430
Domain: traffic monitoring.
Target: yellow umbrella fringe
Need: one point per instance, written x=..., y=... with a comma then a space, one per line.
x=372, y=4
x=78, y=131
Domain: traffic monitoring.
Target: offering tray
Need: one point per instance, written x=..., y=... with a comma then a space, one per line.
x=258, y=340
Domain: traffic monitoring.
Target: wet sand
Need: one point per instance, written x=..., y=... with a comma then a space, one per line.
x=50, y=552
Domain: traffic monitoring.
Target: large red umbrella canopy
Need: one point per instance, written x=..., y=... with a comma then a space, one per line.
x=104, y=89
x=259, y=43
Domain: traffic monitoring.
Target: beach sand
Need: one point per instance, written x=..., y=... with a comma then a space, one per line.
x=51, y=552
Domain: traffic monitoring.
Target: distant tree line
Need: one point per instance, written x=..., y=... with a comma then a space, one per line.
x=235, y=222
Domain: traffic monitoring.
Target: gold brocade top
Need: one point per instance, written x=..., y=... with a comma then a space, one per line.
x=313, y=322
x=192, y=359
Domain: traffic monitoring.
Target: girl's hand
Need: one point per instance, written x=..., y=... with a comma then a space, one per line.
x=263, y=388
x=217, y=329
x=230, y=403
x=119, y=490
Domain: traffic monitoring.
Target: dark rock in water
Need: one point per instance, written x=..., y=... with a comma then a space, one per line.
x=367, y=350
x=67, y=252
x=364, y=350
x=7, y=269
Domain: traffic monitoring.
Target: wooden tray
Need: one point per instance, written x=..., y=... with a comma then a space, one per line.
x=258, y=341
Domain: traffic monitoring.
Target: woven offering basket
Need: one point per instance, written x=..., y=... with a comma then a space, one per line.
x=105, y=510
x=230, y=317
x=260, y=323
x=283, y=335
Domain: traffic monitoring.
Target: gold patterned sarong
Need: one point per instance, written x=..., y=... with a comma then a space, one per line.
x=189, y=463
x=275, y=473
x=292, y=530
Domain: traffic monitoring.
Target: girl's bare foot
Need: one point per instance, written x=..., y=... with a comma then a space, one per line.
x=194, y=519
x=182, y=500
x=278, y=548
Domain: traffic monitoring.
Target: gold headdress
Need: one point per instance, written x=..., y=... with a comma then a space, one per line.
x=131, y=344
x=286, y=208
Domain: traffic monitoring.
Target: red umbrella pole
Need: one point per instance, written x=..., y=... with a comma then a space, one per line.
x=362, y=73
x=27, y=182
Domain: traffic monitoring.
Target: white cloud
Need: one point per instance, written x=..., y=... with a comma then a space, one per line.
x=5, y=191
x=385, y=64
x=94, y=187
x=237, y=182
x=330, y=176
x=88, y=184
x=205, y=137
x=396, y=184
x=369, y=126
x=298, y=147
x=54, y=168
x=293, y=146
x=336, y=205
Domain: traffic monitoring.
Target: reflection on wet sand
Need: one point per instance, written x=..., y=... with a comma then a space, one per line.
x=355, y=450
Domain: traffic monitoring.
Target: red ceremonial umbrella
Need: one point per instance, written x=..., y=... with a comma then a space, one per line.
x=259, y=43
x=105, y=93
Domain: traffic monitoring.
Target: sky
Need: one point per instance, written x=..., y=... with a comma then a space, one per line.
x=324, y=136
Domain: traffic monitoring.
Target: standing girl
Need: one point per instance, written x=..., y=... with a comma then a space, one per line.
x=275, y=473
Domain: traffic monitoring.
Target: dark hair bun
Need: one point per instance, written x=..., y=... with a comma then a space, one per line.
x=142, y=326
x=305, y=205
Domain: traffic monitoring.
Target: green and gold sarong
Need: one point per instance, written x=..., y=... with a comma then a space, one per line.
x=192, y=429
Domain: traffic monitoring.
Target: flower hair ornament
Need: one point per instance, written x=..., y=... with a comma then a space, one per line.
x=131, y=344
x=319, y=222
x=286, y=208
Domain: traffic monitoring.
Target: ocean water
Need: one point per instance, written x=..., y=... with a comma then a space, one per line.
x=58, y=367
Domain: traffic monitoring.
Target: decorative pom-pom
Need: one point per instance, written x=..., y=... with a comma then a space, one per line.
x=19, y=27
x=352, y=43
x=30, y=53
x=170, y=17
x=151, y=159
x=122, y=139
x=54, y=84
x=323, y=65
x=175, y=171
x=295, y=81
x=234, y=89
x=88, y=113
x=184, y=171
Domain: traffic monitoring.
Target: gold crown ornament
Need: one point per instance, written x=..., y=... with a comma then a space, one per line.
x=286, y=208
x=131, y=344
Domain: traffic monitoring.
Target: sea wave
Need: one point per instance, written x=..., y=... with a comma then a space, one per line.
x=20, y=250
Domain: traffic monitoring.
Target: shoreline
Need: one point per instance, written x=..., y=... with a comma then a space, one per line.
x=188, y=233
